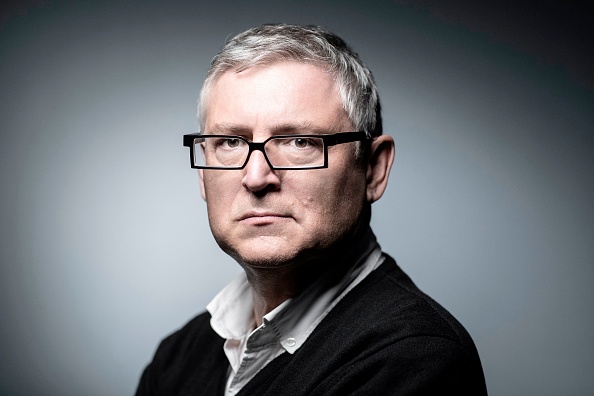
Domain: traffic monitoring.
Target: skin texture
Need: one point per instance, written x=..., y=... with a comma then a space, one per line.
x=279, y=225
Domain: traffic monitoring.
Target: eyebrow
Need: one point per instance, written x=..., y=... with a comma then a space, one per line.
x=301, y=128
x=227, y=128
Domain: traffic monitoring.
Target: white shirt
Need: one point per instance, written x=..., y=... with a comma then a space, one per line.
x=285, y=328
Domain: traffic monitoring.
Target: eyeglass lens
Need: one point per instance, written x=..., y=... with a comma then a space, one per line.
x=286, y=152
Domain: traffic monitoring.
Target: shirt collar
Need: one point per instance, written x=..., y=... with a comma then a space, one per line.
x=291, y=322
x=232, y=309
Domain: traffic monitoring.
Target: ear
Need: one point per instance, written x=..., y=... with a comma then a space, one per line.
x=380, y=162
x=202, y=189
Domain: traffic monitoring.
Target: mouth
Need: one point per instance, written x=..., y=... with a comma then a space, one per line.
x=261, y=218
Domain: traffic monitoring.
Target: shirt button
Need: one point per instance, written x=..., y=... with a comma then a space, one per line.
x=291, y=342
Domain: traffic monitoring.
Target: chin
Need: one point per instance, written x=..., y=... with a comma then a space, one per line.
x=266, y=258
x=263, y=255
x=274, y=251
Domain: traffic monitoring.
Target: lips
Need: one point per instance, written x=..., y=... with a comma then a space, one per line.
x=262, y=217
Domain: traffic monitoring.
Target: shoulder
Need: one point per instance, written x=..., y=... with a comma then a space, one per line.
x=195, y=338
x=413, y=365
x=386, y=328
x=187, y=358
x=388, y=300
x=190, y=335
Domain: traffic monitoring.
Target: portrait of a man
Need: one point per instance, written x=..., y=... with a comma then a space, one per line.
x=291, y=156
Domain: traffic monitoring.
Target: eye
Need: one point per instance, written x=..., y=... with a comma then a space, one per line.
x=306, y=143
x=232, y=143
x=301, y=142
x=297, y=145
x=229, y=143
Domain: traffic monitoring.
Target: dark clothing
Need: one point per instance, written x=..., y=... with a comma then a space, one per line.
x=385, y=337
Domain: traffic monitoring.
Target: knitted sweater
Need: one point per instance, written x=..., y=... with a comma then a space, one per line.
x=385, y=337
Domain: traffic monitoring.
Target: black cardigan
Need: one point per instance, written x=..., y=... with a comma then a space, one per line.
x=385, y=337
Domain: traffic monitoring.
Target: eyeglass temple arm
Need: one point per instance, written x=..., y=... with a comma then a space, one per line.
x=344, y=137
x=189, y=139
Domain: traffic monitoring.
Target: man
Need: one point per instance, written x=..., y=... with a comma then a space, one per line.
x=291, y=156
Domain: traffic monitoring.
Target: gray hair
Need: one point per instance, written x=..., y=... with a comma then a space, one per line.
x=267, y=44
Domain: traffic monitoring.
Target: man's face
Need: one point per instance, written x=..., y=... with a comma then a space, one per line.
x=264, y=217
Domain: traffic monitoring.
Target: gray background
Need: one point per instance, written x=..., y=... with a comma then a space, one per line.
x=104, y=240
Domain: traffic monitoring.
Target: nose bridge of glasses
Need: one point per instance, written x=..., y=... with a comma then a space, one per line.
x=258, y=146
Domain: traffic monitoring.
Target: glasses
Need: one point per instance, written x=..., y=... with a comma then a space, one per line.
x=281, y=152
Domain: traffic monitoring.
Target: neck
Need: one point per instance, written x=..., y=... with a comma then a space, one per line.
x=272, y=286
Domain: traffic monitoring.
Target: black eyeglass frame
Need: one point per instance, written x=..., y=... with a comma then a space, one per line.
x=329, y=140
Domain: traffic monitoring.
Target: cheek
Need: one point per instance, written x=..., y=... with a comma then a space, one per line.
x=219, y=185
x=335, y=201
x=219, y=194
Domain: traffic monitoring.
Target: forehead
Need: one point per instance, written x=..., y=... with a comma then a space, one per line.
x=281, y=92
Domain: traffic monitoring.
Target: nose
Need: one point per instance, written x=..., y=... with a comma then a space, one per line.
x=258, y=176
